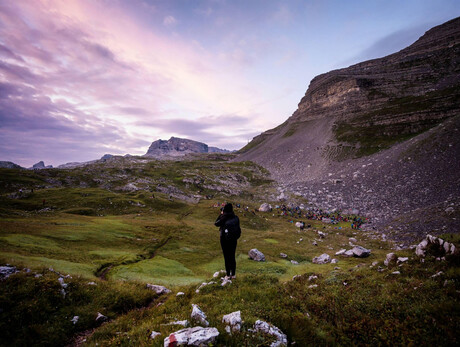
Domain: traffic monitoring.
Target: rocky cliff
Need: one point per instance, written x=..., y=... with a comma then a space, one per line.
x=380, y=136
x=360, y=110
x=176, y=147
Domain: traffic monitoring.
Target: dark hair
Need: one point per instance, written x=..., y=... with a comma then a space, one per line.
x=228, y=208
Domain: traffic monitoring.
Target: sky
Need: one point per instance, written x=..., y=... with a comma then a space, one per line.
x=82, y=78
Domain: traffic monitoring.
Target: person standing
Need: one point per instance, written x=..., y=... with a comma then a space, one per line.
x=230, y=231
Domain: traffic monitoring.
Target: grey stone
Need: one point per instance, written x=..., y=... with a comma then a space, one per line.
x=361, y=252
x=198, y=315
x=197, y=336
x=444, y=246
x=7, y=271
x=322, y=259
x=101, y=318
x=154, y=335
x=158, y=289
x=233, y=321
x=391, y=258
x=283, y=255
x=267, y=328
x=256, y=255
x=265, y=207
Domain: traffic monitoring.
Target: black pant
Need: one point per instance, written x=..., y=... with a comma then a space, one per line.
x=229, y=248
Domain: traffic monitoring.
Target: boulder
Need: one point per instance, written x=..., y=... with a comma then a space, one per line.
x=266, y=328
x=197, y=336
x=198, y=315
x=256, y=255
x=361, y=252
x=158, y=289
x=265, y=207
x=390, y=259
x=233, y=321
x=322, y=259
x=439, y=245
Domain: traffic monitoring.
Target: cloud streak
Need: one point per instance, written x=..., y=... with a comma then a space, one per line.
x=80, y=78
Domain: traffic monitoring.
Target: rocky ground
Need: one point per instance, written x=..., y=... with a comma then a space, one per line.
x=408, y=190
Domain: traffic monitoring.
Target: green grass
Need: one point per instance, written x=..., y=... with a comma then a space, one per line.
x=176, y=244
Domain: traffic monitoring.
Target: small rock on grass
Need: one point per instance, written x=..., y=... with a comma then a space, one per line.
x=196, y=336
x=158, y=289
x=267, y=328
x=154, y=334
x=233, y=321
x=198, y=315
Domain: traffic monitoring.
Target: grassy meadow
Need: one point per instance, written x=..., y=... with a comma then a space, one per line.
x=112, y=242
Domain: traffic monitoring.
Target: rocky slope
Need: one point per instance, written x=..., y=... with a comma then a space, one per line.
x=356, y=125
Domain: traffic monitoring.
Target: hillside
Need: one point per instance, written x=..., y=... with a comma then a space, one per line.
x=81, y=248
x=377, y=112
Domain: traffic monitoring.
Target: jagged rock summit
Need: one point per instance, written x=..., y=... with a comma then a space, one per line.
x=176, y=147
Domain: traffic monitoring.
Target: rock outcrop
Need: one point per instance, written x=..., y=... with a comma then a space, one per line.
x=175, y=147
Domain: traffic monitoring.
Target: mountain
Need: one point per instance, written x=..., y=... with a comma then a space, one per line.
x=9, y=165
x=360, y=138
x=175, y=147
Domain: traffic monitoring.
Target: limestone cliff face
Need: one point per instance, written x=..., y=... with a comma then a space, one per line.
x=360, y=110
x=175, y=147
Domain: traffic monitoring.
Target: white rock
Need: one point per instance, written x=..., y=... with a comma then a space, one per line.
x=233, y=320
x=199, y=316
x=437, y=274
x=225, y=281
x=256, y=255
x=352, y=239
x=7, y=271
x=154, y=334
x=180, y=294
x=219, y=273
x=101, y=318
x=283, y=255
x=75, y=319
x=313, y=286
x=402, y=259
x=92, y=283
x=396, y=273
x=61, y=281
x=348, y=253
x=391, y=258
x=312, y=277
x=321, y=234
x=322, y=259
x=342, y=251
x=265, y=207
x=196, y=336
x=294, y=262
x=334, y=261
x=158, y=289
x=281, y=339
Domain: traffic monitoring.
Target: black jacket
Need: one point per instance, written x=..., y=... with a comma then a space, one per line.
x=228, y=221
